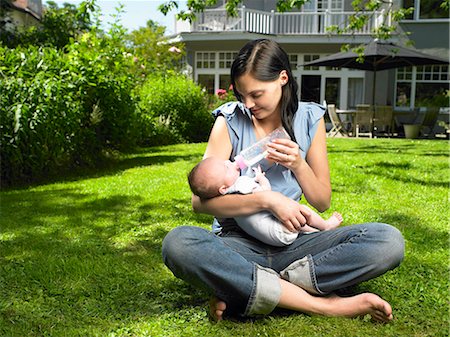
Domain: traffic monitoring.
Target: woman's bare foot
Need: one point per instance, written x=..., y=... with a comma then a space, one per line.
x=360, y=305
x=333, y=305
x=295, y=298
x=334, y=221
x=216, y=308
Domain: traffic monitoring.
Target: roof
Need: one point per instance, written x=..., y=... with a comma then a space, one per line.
x=31, y=7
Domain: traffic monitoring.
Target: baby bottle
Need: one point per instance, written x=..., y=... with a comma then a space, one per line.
x=258, y=151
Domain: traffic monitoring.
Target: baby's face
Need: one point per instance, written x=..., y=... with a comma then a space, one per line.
x=231, y=172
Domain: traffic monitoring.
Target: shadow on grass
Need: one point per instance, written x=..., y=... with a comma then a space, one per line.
x=421, y=235
x=392, y=147
x=399, y=172
x=405, y=172
x=72, y=262
x=112, y=165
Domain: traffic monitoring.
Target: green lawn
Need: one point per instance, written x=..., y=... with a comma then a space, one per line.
x=82, y=256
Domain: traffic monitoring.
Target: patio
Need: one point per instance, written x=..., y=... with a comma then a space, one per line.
x=385, y=121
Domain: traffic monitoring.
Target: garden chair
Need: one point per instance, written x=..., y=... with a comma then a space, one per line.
x=429, y=122
x=363, y=120
x=383, y=122
x=338, y=126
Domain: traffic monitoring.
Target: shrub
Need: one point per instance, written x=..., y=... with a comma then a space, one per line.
x=106, y=84
x=221, y=97
x=39, y=118
x=60, y=109
x=173, y=109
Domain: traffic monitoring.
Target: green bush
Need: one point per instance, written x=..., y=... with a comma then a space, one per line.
x=39, y=119
x=66, y=103
x=105, y=86
x=173, y=109
x=62, y=109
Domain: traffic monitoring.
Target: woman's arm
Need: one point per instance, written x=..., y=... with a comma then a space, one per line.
x=290, y=212
x=313, y=174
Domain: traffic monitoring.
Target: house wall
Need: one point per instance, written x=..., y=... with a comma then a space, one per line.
x=425, y=37
x=263, y=5
x=25, y=12
x=431, y=36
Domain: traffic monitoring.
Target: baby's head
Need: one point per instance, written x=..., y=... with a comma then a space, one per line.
x=212, y=177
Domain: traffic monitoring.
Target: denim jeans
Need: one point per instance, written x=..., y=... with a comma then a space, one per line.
x=245, y=273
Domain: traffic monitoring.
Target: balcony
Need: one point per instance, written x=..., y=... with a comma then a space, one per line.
x=292, y=23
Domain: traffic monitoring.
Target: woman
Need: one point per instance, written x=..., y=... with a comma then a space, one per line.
x=250, y=278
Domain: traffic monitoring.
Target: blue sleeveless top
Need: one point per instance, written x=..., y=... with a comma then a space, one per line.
x=242, y=135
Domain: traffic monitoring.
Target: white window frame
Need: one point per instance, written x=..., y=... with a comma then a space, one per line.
x=344, y=74
x=416, y=15
x=215, y=71
x=415, y=72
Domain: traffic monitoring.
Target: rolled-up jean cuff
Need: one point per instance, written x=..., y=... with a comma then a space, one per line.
x=266, y=292
x=302, y=273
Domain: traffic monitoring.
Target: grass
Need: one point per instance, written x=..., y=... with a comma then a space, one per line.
x=81, y=256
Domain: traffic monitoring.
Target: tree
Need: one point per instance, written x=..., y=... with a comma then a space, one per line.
x=58, y=26
x=152, y=52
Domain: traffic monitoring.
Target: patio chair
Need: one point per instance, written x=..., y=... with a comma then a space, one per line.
x=429, y=122
x=383, y=122
x=338, y=126
x=363, y=120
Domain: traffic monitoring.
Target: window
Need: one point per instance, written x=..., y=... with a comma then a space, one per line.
x=426, y=86
x=323, y=5
x=310, y=58
x=331, y=5
x=403, y=95
x=332, y=90
x=224, y=82
x=432, y=73
x=355, y=92
x=404, y=74
x=426, y=9
x=310, y=88
x=293, y=60
x=432, y=95
x=207, y=82
x=213, y=69
x=205, y=60
x=226, y=59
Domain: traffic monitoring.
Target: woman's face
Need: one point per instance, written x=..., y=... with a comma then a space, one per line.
x=262, y=98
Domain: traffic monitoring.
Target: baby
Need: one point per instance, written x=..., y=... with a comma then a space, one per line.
x=213, y=177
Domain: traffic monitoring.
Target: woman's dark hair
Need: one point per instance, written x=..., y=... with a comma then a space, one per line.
x=264, y=60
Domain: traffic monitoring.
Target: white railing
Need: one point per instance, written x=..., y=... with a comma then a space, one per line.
x=297, y=23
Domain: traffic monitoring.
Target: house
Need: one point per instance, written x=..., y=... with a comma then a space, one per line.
x=212, y=42
x=22, y=12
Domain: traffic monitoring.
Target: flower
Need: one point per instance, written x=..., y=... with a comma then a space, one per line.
x=174, y=49
x=222, y=93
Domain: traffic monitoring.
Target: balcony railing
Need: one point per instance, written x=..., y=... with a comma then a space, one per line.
x=295, y=23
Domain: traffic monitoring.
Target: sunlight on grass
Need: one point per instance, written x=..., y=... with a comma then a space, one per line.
x=82, y=256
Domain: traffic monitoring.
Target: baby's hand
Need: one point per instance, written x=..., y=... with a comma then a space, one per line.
x=260, y=178
x=258, y=172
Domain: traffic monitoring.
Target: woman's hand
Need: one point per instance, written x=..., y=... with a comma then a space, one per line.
x=291, y=214
x=312, y=173
x=284, y=152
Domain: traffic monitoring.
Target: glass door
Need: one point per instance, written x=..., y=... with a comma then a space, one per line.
x=310, y=88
